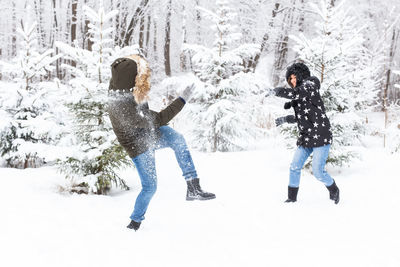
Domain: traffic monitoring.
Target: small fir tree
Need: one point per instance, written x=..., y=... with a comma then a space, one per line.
x=29, y=126
x=224, y=100
x=94, y=166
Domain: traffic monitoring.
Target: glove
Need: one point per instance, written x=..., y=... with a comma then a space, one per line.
x=289, y=119
x=187, y=92
x=290, y=104
x=279, y=121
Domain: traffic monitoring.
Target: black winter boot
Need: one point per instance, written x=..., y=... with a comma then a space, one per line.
x=334, y=192
x=292, y=194
x=134, y=225
x=194, y=191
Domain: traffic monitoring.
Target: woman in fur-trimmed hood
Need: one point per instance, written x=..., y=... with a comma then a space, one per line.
x=141, y=130
x=313, y=126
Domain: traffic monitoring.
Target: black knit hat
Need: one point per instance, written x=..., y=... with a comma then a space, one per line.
x=300, y=70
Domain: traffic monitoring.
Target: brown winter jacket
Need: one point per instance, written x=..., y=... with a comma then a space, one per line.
x=135, y=125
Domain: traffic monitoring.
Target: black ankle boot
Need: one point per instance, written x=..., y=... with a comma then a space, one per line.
x=334, y=192
x=292, y=194
x=134, y=225
x=194, y=191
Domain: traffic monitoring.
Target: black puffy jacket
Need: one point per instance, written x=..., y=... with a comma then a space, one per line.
x=312, y=122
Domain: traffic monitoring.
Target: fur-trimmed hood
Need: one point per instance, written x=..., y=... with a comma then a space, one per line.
x=131, y=74
x=142, y=80
x=300, y=70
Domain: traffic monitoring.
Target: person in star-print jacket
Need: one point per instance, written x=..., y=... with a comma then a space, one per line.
x=313, y=125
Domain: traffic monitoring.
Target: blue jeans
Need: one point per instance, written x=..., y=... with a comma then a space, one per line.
x=318, y=164
x=146, y=167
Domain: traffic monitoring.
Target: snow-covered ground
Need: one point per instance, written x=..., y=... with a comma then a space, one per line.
x=246, y=225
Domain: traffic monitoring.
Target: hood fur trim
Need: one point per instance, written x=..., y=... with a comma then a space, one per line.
x=142, y=80
x=300, y=70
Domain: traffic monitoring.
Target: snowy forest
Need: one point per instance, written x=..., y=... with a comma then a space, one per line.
x=69, y=186
x=55, y=68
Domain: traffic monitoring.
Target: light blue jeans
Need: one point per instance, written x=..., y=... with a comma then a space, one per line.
x=320, y=155
x=146, y=167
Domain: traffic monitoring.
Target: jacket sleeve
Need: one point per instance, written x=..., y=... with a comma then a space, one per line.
x=285, y=92
x=291, y=119
x=167, y=114
x=306, y=90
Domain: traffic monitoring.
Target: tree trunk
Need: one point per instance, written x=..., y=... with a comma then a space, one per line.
x=117, y=25
x=146, y=51
x=87, y=43
x=182, y=56
x=14, y=31
x=393, y=93
x=386, y=89
x=39, y=19
x=301, y=19
x=88, y=35
x=139, y=12
x=282, y=46
x=54, y=35
x=167, y=42
x=141, y=32
x=155, y=41
x=74, y=9
x=322, y=72
x=198, y=22
x=215, y=136
x=54, y=24
x=264, y=43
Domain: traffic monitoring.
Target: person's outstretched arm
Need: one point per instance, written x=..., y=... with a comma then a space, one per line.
x=305, y=90
x=283, y=92
x=167, y=114
x=285, y=119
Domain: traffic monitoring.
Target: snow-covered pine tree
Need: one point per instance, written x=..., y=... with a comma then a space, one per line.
x=28, y=125
x=223, y=110
x=94, y=166
x=346, y=70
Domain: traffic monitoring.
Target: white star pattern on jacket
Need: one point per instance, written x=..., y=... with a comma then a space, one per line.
x=312, y=122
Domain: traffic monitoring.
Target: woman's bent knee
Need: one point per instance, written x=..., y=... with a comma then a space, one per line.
x=149, y=189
